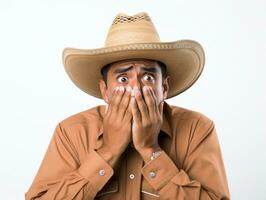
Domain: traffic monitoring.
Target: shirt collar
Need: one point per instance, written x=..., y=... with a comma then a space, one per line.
x=165, y=128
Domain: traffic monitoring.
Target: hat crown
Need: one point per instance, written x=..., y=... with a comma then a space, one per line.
x=127, y=29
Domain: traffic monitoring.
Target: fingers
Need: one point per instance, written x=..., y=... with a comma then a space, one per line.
x=124, y=103
x=157, y=105
x=150, y=101
x=119, y=102
x=116, y=98
x=141, y=104
x=108, y=107
x=142, y=109
x=161, y=107
x=128, y=115
x=135, y=110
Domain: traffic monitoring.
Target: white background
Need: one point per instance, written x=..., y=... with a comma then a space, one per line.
x=36, y=93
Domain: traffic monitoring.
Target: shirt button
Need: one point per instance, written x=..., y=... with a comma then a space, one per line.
x=131, y=176
x=152, y=174
x=101, y=172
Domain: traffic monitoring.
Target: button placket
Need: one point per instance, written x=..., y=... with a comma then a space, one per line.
x=131, y=176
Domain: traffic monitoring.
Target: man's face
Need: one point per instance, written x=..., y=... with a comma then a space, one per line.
x=135, y=73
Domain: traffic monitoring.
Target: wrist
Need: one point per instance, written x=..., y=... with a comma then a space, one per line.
x=149, y=153
x=108, y=156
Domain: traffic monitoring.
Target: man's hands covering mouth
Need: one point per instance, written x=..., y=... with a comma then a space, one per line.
x=131, y=116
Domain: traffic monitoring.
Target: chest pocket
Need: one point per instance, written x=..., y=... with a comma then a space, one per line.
x=109, y=190
x=145, y=195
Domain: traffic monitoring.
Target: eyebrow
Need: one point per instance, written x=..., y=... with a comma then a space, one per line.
x=122, y=70
x=148, y=69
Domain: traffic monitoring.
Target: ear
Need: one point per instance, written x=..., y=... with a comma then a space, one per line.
x=103, y=89
x=166, y=87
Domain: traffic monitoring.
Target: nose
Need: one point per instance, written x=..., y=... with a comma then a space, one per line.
x=136, y=82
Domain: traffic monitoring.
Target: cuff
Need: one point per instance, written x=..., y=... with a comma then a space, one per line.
x=160, y=171
x=96, y=170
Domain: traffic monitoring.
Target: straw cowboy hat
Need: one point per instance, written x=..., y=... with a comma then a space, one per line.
x=132, y=37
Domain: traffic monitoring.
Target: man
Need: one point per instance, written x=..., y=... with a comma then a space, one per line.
x=137, y=146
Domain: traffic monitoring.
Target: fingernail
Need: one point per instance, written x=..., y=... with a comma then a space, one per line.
x=145, y=88
x=121, y=88
x=116, y=89
x=132, y=93
x=129, y=89
x=136, y=91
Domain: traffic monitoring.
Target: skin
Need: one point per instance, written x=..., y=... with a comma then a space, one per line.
x=134, y=95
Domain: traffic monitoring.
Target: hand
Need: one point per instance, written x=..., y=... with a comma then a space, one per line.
x=117, y=122
x=147, y=121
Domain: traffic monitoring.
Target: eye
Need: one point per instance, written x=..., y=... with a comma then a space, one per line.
x=149, y=78
x=122, y=79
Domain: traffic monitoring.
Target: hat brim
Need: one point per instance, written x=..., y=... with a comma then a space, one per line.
x=184, y=60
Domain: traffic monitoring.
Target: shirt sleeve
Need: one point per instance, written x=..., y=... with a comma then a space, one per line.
x=61, y=176
x=202, y=176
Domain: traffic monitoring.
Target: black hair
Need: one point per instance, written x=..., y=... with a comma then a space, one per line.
x=106, y=68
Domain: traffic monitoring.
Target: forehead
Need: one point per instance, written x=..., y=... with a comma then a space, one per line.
x=134, y=62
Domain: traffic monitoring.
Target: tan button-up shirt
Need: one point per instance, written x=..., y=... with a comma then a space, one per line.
x=190, y=166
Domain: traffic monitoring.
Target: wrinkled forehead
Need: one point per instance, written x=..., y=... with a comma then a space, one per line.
x=134, y=62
